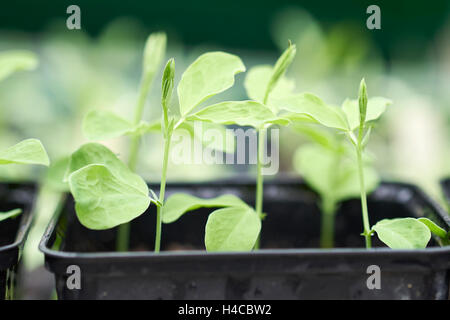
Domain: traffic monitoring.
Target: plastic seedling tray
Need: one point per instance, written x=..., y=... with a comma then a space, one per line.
x=289, y=265
x=13, y=232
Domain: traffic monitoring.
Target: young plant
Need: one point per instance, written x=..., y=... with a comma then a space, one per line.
x=355, y=120
x=262, y=84
x=108, y=193
x=29, y=151
x=328, y=166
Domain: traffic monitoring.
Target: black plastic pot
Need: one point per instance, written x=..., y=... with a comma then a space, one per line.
x=13, y=232
x=287, y=267
x=446, y=188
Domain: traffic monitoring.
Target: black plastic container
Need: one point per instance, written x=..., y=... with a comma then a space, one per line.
x=287, y=267
x=13, y=232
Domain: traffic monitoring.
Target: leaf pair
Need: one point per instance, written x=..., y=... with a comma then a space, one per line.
x=307, y=107
x=235, y=227
x=262, y=83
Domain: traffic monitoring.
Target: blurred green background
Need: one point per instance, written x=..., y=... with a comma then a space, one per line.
x=98, y=67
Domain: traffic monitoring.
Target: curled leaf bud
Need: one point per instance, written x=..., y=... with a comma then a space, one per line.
x=283, y=62
x=167, y=83
x=362, y=99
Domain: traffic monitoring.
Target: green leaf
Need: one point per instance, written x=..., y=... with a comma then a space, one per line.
x=232, y=229
x=154, y=51
x=179, y=203
x=95, y=153
x=243, y=113
x=333, y=174
x=376, y=106
x=10, y=214
x=16, y=60
x=280, y=67
x=105, y=198
x=313, y=108
x=102, y=125
x=403, y=233
x=30, y=151
x=207, y=76
x=434, y=228
x=256, y=82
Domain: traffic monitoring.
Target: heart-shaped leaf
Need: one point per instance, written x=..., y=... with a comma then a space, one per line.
x=104, y=199
x=30, y=151
x=232, y=229
x=179, y=203
x=207, y=76
x=403, y=233
x=106, y=192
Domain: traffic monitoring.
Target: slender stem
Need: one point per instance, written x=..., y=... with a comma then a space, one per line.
x=365, y=213
x=162, y=190
x=134, y=148
x=123, y=234
x=259, y=178
x=327, y=225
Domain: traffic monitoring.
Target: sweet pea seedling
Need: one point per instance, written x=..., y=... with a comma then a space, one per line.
x=355, y=120
x=107, y=192
x=262, y=84
x=29, y=151
x=235, y=226
x=328, y=166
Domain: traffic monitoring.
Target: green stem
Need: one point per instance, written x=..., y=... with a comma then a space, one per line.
x=327, y=225
x=162, y=190
x=365, y=213
x=259, y=178
x=134, y=148
x=123, y=234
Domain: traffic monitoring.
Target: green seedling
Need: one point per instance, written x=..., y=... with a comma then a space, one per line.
x=263, y=83
x=29, y=151
x=328, y=166
x=107, y=192
x=355, y=119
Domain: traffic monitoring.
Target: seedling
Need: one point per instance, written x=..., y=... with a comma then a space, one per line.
x=355, y=120
x=328, y=166
x=29, y=151
x=108, y=193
